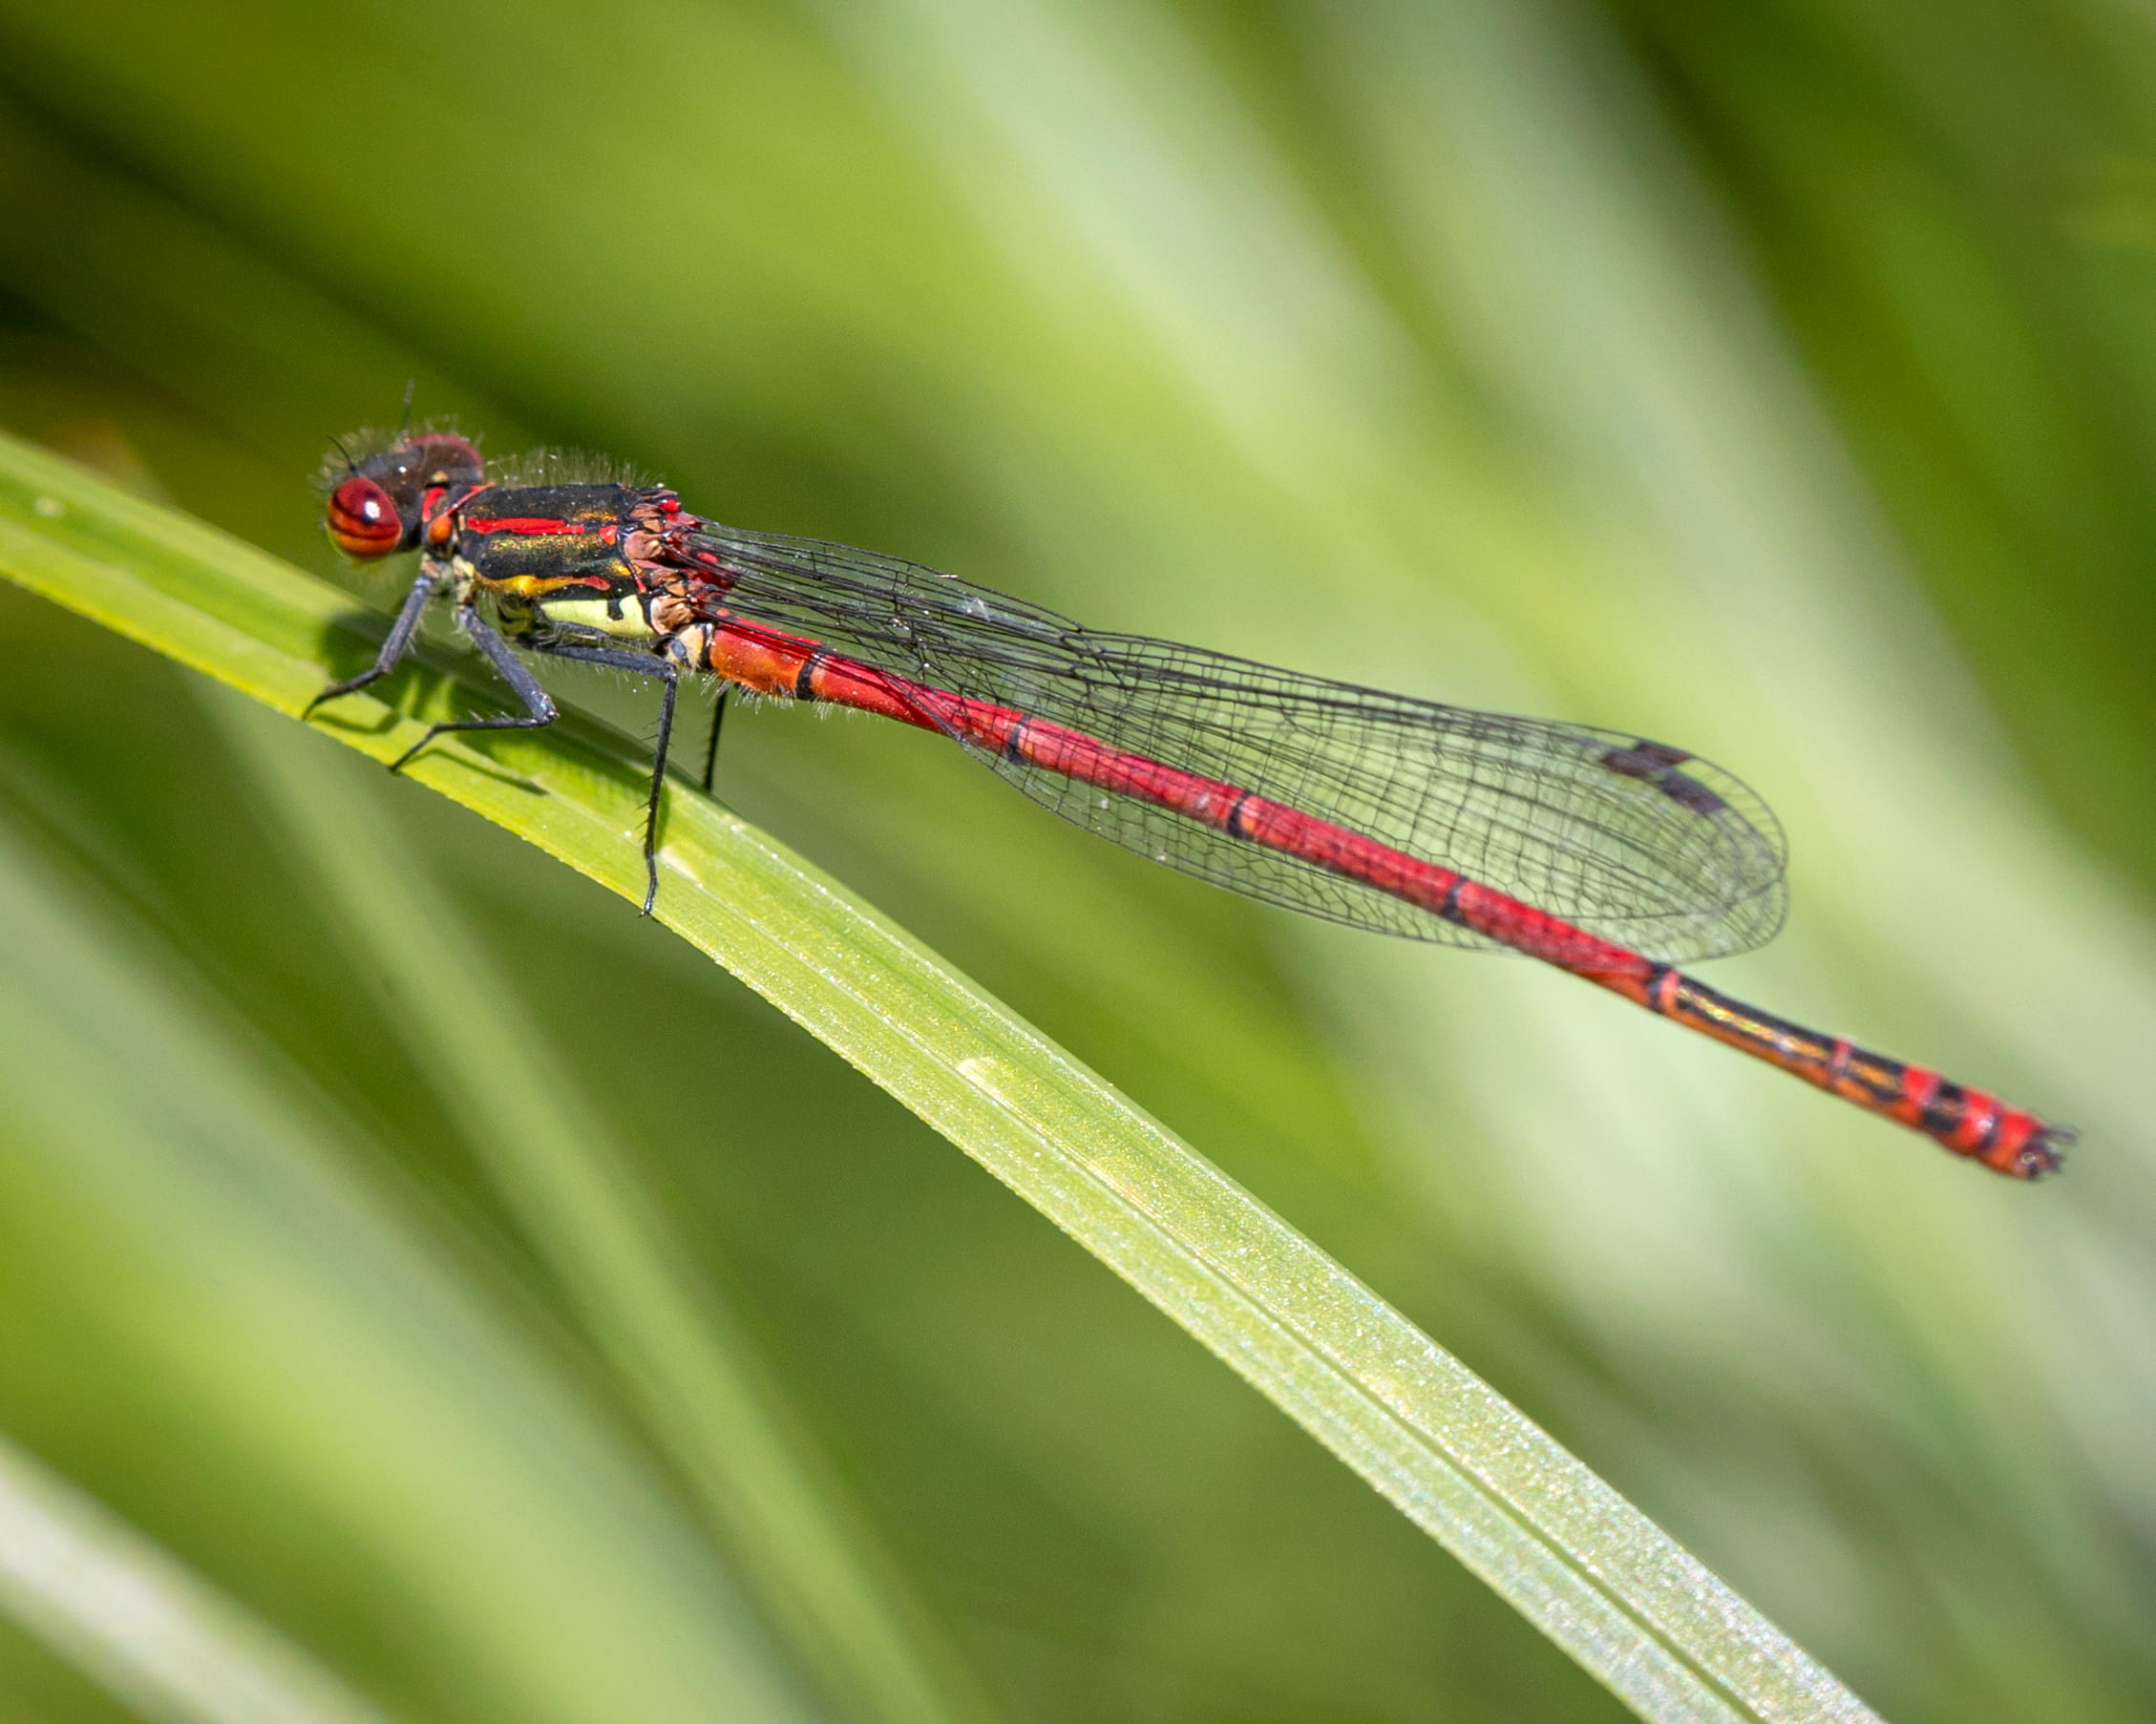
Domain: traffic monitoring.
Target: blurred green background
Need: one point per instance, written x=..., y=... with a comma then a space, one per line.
x=1776, y=379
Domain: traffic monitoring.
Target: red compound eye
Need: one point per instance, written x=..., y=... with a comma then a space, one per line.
x=363, y=519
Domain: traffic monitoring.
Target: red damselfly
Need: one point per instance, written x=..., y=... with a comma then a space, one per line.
x=1598, y=851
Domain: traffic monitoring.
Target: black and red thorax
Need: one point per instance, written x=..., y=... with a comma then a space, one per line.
x=533, y=541
x=613, y=559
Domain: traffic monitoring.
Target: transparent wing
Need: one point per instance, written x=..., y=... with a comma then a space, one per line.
x=1637, y=842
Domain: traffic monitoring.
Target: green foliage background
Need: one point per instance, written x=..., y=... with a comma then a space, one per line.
x=1776, y=379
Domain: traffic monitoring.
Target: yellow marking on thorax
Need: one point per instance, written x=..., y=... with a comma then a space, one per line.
x=592, y=614
x=530, y=586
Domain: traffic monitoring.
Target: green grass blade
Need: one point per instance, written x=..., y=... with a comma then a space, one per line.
x=141, y=1625
x=1595, y=1575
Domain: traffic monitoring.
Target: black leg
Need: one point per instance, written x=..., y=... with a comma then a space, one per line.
x=711, y=748
x=538, y=708
x=393, y=648
x=643, y=664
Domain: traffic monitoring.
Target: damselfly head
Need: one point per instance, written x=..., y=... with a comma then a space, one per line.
x=379, y=503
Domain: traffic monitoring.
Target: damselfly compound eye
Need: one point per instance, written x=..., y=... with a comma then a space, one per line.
x=363, y=519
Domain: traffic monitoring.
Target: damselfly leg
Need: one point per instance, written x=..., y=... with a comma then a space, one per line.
x=539, y=706
x=711, y=747
x=394, y=644
x=643, y=664
x=539, y=709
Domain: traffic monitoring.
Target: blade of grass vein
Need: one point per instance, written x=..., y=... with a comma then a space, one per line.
x=139, y=1624
x=1603, y=1581
x=689, y=1369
